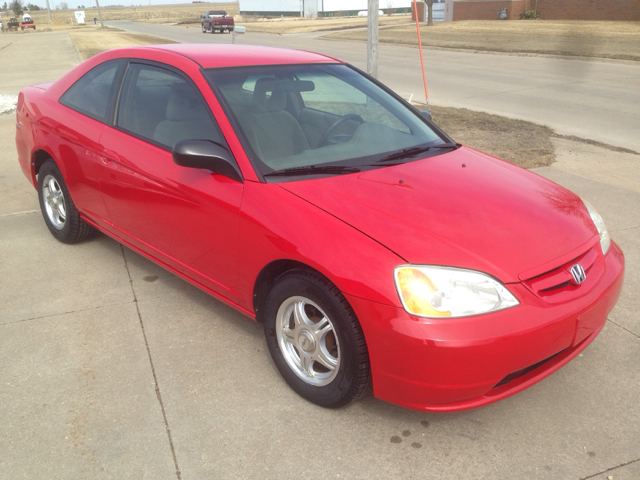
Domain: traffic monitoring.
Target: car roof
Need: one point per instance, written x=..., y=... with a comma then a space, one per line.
x=215, y=55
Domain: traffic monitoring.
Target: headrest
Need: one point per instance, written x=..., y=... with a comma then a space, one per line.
x=184, y=104
x=273, y=103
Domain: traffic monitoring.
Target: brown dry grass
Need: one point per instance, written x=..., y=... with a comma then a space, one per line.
x=517, y=141
x=619, y=40
x=90, y=42
x=178, y=13
x=305, y=25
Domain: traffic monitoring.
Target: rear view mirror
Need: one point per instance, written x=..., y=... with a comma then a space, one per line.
x=295, y=86
x=208, y=155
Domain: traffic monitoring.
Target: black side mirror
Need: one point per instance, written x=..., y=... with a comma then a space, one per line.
x=208, y=155
x=426, y=114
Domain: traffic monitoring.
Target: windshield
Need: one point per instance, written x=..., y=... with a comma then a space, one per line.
x=320, y=118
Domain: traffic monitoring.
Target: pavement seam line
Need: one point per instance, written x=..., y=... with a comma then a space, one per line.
x=623, y=328
x=612, y=468
x=15, y=214
x=43, y=317
x=153, y=370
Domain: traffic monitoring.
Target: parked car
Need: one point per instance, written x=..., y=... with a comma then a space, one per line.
x=217, y=21
x=13, y=23
x=375, y=249
x=27, y=23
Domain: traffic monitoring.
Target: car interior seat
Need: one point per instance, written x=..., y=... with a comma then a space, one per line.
x=186, y=118
x=272, y=131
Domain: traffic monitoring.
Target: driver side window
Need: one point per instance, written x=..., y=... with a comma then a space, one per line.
x=162, y=106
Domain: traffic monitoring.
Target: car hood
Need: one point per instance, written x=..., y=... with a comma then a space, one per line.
x=463, y=208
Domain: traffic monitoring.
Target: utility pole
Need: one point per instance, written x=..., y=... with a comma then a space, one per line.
x=372, y=38
x=49, y=11
x=99, y=15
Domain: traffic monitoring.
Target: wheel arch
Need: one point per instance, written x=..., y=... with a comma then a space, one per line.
x=37, y=160
x=267, y=277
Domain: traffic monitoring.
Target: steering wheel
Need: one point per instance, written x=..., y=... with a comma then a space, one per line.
x=325, y=136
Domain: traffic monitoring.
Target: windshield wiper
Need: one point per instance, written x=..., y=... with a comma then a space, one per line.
x=413, y=151
x=312, y=170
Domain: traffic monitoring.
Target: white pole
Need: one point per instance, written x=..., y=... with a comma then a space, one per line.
x=372, y=38
x=99, y=14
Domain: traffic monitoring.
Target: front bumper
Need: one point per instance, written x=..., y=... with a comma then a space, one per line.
x=455, y=364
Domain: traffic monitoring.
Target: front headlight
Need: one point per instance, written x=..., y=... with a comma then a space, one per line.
x=605, y=239
x=431, y=291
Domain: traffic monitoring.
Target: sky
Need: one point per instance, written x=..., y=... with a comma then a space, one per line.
x=73, y=4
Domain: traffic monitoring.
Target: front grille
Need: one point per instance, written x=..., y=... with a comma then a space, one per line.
x=558, y=285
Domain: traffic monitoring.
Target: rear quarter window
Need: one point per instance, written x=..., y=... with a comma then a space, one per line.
x=95, y=91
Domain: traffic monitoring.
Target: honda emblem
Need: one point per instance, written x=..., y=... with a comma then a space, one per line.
x=578, y=273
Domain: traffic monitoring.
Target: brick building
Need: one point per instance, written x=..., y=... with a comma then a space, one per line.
x=549, y=9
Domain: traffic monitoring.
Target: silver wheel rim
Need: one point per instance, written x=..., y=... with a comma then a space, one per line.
x=54, y=203
x=308, y=341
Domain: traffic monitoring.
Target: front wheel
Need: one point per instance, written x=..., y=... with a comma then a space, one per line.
x=316, y=340
x=204, y=30
x=59, y=211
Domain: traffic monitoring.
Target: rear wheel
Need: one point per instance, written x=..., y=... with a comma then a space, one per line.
x=59, y=211
x=315, y=340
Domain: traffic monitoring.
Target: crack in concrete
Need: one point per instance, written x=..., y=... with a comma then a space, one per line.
x=153, y=370
x=625, y=229
x=612, y=468
x=595, y=143
x=623, y=328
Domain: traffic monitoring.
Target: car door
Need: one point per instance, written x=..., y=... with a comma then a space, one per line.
x=184, y=217
x=91, y=102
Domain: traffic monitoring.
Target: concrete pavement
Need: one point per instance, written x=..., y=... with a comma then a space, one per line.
x=111, y=367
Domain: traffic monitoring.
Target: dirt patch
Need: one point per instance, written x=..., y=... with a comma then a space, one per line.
x=618, y=40
x=91, y=42
x=517, y=141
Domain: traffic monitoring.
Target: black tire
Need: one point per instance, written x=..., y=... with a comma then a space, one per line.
x=57, y=207
x=342, y=345
x=204, y=30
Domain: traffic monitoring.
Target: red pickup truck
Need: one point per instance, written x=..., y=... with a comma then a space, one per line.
x=27, y=23
x=216, y=20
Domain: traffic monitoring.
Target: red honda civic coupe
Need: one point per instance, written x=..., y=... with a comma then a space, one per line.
x=378, y=252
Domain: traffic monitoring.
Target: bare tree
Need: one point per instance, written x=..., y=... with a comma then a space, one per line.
x=390, y=9
x=430, y=14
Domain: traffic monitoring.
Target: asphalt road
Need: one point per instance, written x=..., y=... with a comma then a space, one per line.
x=111, y=367
x=592, y=99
